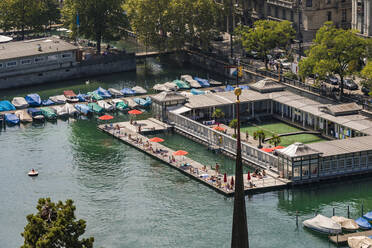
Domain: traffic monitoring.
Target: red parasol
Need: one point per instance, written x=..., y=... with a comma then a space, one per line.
x=135, y=112
x=224, y=178
x=106, y=117
x=267, y=149
x=218, y=128
x=249, y=176
x=180, y=153
x=278, y=147
x=232, y=181
x=156, y=139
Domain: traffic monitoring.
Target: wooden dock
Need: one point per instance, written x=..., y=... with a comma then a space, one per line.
x=342, y=239
x=199, y=172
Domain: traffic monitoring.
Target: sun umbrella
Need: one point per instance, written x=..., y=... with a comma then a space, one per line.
x=249, y=176
x=278, y=147
x=135, y=112
x=267, y=149
x=218, y=128
x=156, y=139
x=106, y=117
x=180, y=153
x=224, y=178
x=232, y=181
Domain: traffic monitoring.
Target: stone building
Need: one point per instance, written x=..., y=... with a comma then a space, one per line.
x=361, y=16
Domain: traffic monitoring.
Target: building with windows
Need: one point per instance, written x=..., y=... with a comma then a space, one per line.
x=361, y=16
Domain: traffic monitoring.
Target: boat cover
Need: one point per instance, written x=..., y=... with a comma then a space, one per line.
x=359, y=242
x=60, y=111
x=363, y=223
x=214, y=82
x=128, y=91
x=368, y=216
x=11, y=119
x=103, y=93
x=6, y=106
x=139, y=90
x=82, y=97
x=19, y=102
x=143, y=102
x=47, y=102
x=70, y=109
x=115, y=92
x=34, y=112
x=60, y=99
x=323, y=224
x=69, y=94
x=197, y=92
x=48, y=113
x=244, y=87
x=23, y=116
x=218, y=90
x=95, y=108
x=181, y=84
x=160, y=87
x=131, y=103
x=202, y=82
x=95, y=96
x=82, y=108
x=107, y=106
x=229, y=88
x=33, y=100
x=346, y=223
x=171, y=86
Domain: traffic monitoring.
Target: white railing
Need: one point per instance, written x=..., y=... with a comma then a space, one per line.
x=223, y=141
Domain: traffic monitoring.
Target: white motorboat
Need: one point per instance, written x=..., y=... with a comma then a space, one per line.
x=171, y=86
x=323, y=224
x=60, y=111
x=115, y=92
x=359, y=242
x=19, y=102
x=160, y=87
x=346, y=224
x=60, y=99
x=139, y=90
x=214, y=82
x=105, y=105
x=132, y=104
x=23, y=116
x=33, y=173
x=188, y=79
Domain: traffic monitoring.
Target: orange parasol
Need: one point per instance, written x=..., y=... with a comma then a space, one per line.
x=218, y=128
x=278, y=147
x=135, y=112
x=156, y=139
x=267, y=149
x=180, y=153
x=249, y=176
x=106, y=117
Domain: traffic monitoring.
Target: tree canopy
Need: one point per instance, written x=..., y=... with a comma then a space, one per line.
x=334, y=52
x=55, y=225
x=264, y=36
x=367, y=75
x=99, y=19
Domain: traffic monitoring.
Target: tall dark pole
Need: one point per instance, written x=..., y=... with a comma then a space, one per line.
x=240, y=227
x=299, y=34
x=231, y=25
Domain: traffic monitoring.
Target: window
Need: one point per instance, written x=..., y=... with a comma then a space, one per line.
x=1, y=66
x=11, y=64
x=329, y=16
x=39, y=59
x=52, y=57
x=309, y=3
x=292, y=16
x=66, y=55
x=343, y=15
x=284, y=14
x=269, y=10
x=26, y=62
x=276, y=12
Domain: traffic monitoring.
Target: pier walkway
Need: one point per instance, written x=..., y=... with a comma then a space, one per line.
x=342, y=239
x=199, y=172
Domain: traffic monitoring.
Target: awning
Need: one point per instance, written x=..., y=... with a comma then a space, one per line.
x=5, y=38
x=180, y=110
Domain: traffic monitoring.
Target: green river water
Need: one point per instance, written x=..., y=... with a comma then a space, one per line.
x=131, y=200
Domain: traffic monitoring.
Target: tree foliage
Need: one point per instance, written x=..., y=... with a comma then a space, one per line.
x=55, y=225
x=168, y=24
x=274, y=140
x=266, y=35
x=367, y=75
x=218, y=114
x=99, y=19
x=260, y=136
x=234, y=124
x=334, y=52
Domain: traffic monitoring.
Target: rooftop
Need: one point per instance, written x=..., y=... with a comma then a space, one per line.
x=342, y=109
x=168, y=96
x=267, y=85
x=298, y=150
x=27, y=48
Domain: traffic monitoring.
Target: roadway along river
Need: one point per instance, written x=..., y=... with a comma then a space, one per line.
x=131, y=200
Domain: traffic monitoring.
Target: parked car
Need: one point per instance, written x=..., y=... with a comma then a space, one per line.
x=366, y=90
x=218, y=37
x=285, y=63
x=332, y=80
x=350, y=84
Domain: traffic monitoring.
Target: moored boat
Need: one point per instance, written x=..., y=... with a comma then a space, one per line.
x=359, y=242
x=229, y=88
x=160, y=87
x=115, y=92
x=33, y=100
x=132, y=104
x=346, y=224
x=94, y=96
x=48, y=113
x=181, y=84
x=95, y=108
x=6, y=106
x=119, y=104
x=11, y=119
x=323, y=224
x=103, y=93
x=70, y=109
x=23, y=116
x=368, y=216
x=36, y=114
x=83, y=109
x=171, y=86
x=203, y=82
x=363, y=223
x=82, y=97
x=197, y=92
x=60, y=111
x=47, y=102
x=213, y=82
x=143, y=102
x=105, y=105
x=192, y=82
x=139, y=90
x=128, y=92
x=59, y=99
x=19, y=102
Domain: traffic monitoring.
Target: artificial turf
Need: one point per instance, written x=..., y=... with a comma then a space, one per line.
x=277, y=127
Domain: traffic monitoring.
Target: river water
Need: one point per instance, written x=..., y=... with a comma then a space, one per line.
x=131, y=200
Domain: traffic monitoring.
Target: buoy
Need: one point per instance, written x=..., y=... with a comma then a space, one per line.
x=33, y=173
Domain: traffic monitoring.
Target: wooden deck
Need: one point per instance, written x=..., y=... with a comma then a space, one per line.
x=130, y=135
x=342, y=239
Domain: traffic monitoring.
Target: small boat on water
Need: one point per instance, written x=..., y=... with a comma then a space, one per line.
x=36, y=114
x=363, y=223
x=346, y=224
x=197, y=92
x=83, y=109
x=359, y=242
x=139, y=90
x=186, y=94
x=103, y=93
x=229, y=88
x=115, y=92
x=70, y=109
x=160, y=87
x=202, y=82
x=132, y=104
x=23, y=116
x=48, y=113
x=60, y=111
x=19, y=102
x=181, y=84
x=33, y=100
x=368, y=216
x=105, y=105
x=60, y=99
x=96, y=108
x=128, y=92
x=213, y=82
x=217, y=90
x=192, y=82
x=11, y=119
x=70, y=95
x=171, y=86
x=6, y=106
x=33, y=173
x=119, y=104
x=323, y=224
x=82, y=97
x=95, y=96
x=143, y=102
x=47, y=102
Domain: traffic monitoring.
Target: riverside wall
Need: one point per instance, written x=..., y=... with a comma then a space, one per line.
x=91, y=67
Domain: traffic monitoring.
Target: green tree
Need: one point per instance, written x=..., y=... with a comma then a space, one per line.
x=234, y=124
x=55, y=225
x=99, y=19
x=218, y=114
x=274, y=140
x=367, y=75
x=334, y=52
x=260, y=136
x=265, y=36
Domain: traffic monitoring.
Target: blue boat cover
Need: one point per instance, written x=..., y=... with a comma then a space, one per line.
x=128, y=91
x=229, y=88
x=363, y=223
x=82, y=108
x=197, y=92
x=11, y=119
x=104, y=93
x=368, y=216
x=82, y=97
x=47, y=102
x=33, y=100
x=34, y=112
x=244, y=87
x=202, y=82
x=6, y=106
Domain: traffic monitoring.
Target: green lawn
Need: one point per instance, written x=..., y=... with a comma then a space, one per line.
x=277, y=127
